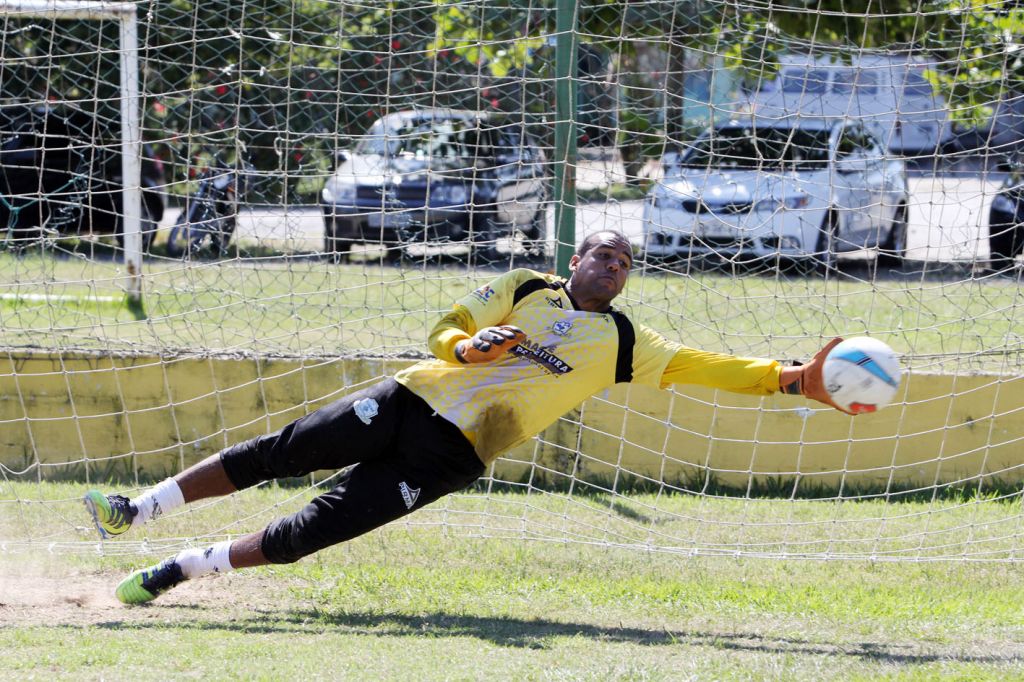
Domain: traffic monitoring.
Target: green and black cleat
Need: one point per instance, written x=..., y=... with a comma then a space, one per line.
x=149, y=583
x=112, y=514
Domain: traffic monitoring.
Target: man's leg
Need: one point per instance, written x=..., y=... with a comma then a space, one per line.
x=149, y=583
x=334, y=437
x=432, y=459
x=115, y=514
x=310, y=443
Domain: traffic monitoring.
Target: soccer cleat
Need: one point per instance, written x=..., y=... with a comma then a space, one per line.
x=112, y=514
x=149, y=583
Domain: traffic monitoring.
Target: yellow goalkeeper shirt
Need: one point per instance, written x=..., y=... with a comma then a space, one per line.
x=568, y=356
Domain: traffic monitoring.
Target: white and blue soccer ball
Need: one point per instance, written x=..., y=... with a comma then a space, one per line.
x=862, y=374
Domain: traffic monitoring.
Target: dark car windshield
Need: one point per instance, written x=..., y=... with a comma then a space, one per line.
x=917, y=85
x=436, y=138
x=746, y=147
x=849, y=80
x=812, y=82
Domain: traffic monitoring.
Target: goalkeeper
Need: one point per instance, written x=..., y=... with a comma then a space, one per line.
x=511, y=358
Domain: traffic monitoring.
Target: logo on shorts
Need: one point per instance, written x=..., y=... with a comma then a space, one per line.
x=409, y=495
x=366, y=410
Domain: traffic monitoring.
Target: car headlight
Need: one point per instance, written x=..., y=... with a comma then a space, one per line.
x=338, y=191
x=1003, y=203
x=786, y=203
x=449, y=194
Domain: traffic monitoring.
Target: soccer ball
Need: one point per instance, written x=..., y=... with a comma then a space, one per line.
x=862, y=374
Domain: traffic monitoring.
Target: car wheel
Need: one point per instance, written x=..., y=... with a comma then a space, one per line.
x=824, y=259
x=335, y=248
x=894, y=250
x=1005, y=242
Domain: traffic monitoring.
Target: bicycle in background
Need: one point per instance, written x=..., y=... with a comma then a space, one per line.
x=207, y=223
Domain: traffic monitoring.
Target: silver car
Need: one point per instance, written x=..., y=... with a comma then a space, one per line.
x=801, y=191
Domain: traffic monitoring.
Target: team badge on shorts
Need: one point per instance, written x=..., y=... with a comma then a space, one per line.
x=366, y=410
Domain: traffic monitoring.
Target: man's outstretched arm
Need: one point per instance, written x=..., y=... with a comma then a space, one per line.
x=755, y=376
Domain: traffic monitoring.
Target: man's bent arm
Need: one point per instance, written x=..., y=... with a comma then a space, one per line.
x=456, y=326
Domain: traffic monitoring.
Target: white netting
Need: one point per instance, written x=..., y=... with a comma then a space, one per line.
x=320, y=180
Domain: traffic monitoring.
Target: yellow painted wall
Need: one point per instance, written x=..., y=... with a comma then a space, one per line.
x=84, y=416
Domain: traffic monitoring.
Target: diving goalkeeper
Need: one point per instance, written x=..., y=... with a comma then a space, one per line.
x=511, y=357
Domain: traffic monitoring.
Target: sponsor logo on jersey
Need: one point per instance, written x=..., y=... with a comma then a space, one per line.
x=484, y=293
x=555, y=302
x=562, y=327
x=543, y=357
x=409, y=495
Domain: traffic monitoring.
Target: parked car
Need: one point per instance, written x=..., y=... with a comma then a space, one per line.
x=804, y=190
x=889, y=93
x=1006, y=221
x=436, y=175
x=1000, y=136
x=60, y=175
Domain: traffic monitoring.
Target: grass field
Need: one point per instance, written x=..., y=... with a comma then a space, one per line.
x=516, y=586
x=310, y=307
x=420, y=601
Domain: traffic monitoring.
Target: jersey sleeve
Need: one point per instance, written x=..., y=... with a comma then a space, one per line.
x=487, y=306
x=682, y=365
x=449, y=330
x=492, y=303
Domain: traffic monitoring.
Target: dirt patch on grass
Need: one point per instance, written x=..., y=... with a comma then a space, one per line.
x=35, y=593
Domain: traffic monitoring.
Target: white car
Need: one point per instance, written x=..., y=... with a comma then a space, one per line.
x=805, y=190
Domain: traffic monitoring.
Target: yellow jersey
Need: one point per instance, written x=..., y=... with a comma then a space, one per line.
x=568, y=356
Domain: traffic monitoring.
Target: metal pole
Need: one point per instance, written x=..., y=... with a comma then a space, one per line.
x=131, y=156
x=565, y=134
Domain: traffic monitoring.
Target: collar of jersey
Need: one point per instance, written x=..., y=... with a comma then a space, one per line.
x=575, y=306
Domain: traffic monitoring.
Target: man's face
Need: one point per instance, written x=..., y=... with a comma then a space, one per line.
x=601, y=272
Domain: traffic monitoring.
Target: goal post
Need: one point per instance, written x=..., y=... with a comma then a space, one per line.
x=130, y=105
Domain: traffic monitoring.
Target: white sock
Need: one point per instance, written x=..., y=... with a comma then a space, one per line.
x=157, y=500
x=213, y=559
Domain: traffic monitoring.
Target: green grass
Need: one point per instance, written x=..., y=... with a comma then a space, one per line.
x=426, y=602
x=302, y=305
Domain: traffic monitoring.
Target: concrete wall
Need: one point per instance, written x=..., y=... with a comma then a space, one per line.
x=88, y=417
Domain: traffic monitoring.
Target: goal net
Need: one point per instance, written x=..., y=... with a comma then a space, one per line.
x=318, y=181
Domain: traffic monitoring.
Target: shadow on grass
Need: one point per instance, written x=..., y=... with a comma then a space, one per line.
x=538, y=633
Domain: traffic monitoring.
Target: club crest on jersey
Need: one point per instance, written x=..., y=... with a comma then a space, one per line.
x=541, y=356
x=484, y=293
x=562, y=327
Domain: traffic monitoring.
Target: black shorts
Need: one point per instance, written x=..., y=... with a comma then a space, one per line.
x=400, y=456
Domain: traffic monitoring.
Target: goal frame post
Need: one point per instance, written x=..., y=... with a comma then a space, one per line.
x=130, y=98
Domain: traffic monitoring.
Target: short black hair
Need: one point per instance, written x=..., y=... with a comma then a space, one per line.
x=592, y=240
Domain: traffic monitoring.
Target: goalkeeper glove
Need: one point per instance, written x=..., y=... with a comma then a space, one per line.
x=489, y=343
x=806, y=379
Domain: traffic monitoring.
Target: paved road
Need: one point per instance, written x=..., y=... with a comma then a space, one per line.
x=947, y=220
